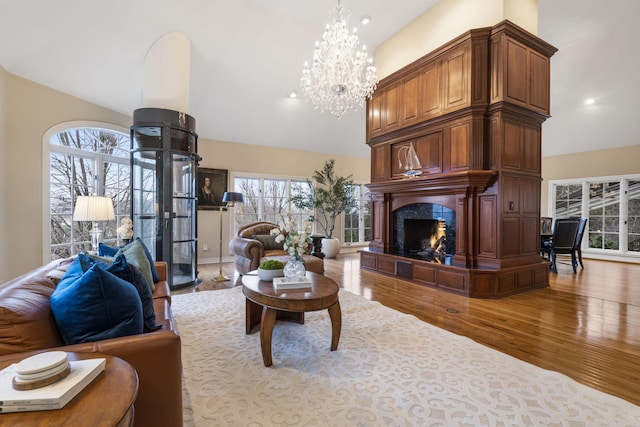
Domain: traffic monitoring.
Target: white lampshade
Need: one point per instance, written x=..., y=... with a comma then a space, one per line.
x=94, y=208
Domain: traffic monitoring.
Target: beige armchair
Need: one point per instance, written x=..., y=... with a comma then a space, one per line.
x=253, y=244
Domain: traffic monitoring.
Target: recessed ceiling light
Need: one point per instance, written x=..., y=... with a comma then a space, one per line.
x=589, y=101
x=293, y=94
x=365, y=20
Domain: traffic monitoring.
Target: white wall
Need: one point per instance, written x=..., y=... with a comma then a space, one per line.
x=445, y=21
x=4, y=274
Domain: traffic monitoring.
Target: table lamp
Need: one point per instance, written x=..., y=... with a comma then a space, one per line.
x=228, y=200
x=94, y=208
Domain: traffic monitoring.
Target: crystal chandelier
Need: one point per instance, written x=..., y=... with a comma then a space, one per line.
x=342, y=74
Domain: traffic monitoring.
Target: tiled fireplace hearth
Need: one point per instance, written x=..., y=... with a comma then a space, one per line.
x=473, y=111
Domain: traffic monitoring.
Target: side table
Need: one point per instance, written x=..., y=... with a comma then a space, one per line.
x=107, y=401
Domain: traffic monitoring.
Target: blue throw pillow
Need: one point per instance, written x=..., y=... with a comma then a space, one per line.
x=132, y=275
x=106, y=250
x=119, y=267
x=97, y=306
x=76, y=269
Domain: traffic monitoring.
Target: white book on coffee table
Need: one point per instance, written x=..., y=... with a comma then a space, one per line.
x=280, y=283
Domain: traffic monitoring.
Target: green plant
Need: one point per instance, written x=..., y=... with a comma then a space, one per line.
x=328, y=197
x=271, y=264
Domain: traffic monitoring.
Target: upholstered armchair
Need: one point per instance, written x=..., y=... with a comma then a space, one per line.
x=253, y=244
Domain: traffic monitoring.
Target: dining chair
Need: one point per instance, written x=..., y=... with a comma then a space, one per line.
x=577, y=247
x=563, y=241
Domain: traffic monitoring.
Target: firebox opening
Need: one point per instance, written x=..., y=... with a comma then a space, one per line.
x=425, y=231
x=426, y=238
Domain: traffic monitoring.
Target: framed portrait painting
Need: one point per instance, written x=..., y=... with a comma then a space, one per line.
x=212, y=184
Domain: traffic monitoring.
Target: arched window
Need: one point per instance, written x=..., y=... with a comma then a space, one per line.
x=85, y=159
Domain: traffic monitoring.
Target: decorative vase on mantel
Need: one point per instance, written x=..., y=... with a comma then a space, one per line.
x=295, y=269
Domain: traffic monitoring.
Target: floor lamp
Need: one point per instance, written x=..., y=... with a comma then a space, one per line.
x=228, y=200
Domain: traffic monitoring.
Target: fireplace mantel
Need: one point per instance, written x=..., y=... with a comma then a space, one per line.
x=465, y=182
x=473, y=111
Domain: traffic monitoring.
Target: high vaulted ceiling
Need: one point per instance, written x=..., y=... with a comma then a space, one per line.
x=247, y=55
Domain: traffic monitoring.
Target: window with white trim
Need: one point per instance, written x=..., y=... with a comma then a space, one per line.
x=357, y=221
x=85, y=161
x=267, y=199
x=612, y=206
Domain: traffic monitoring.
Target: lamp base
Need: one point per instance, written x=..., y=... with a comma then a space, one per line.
x=221, y=278
x=96, y=237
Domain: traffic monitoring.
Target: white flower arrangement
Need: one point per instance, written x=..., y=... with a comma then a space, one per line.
x=296, y=242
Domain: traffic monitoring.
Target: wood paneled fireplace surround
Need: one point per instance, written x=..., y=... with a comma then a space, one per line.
x=473, y=111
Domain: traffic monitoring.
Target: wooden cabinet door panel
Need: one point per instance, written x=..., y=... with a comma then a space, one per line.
x=517, y=82
x=510, y=237
x=431, y=91
x=530, y=149
x=487, y=245
x=530, y=195
x=529, y=236
x=460, y=147
x=429, y=151
x=456, y=80
x=369, y=261
x=379, y=163
x=391, y=118
x=410, y=99
x=539, y=81
x=375, y=115
x=511, y=145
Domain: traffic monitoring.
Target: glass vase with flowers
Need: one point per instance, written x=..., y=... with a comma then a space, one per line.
x=297, y=242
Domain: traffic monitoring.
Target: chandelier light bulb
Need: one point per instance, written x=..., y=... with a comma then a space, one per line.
x=342, y=74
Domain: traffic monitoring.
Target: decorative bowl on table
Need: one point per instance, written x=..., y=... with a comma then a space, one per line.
x=269, y=269
x=268, y=275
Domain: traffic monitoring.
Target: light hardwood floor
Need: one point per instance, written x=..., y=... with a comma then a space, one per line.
x=585, y=325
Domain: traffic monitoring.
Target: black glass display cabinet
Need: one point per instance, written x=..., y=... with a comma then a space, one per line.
x=163, y=189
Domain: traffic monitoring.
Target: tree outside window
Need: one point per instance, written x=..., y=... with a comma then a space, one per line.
x=267, y=199
x=84, y=161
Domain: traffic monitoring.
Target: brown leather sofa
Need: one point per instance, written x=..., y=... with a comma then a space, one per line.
x=27, y=324
x=249, y=252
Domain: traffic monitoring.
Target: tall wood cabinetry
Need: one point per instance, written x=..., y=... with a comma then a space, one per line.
x=473, y=110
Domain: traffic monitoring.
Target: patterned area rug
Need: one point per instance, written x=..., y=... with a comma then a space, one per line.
x=390, y=369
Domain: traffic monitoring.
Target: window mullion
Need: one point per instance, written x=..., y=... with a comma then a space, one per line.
x=623, y=215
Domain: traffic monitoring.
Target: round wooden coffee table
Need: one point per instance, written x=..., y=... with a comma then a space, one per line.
x=265, y=304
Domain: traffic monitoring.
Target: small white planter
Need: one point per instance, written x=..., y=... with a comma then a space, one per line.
x=331, y=247
x=268, y=275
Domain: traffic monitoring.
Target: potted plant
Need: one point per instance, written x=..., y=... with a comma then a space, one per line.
x=330, y=196
x=270, y=269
